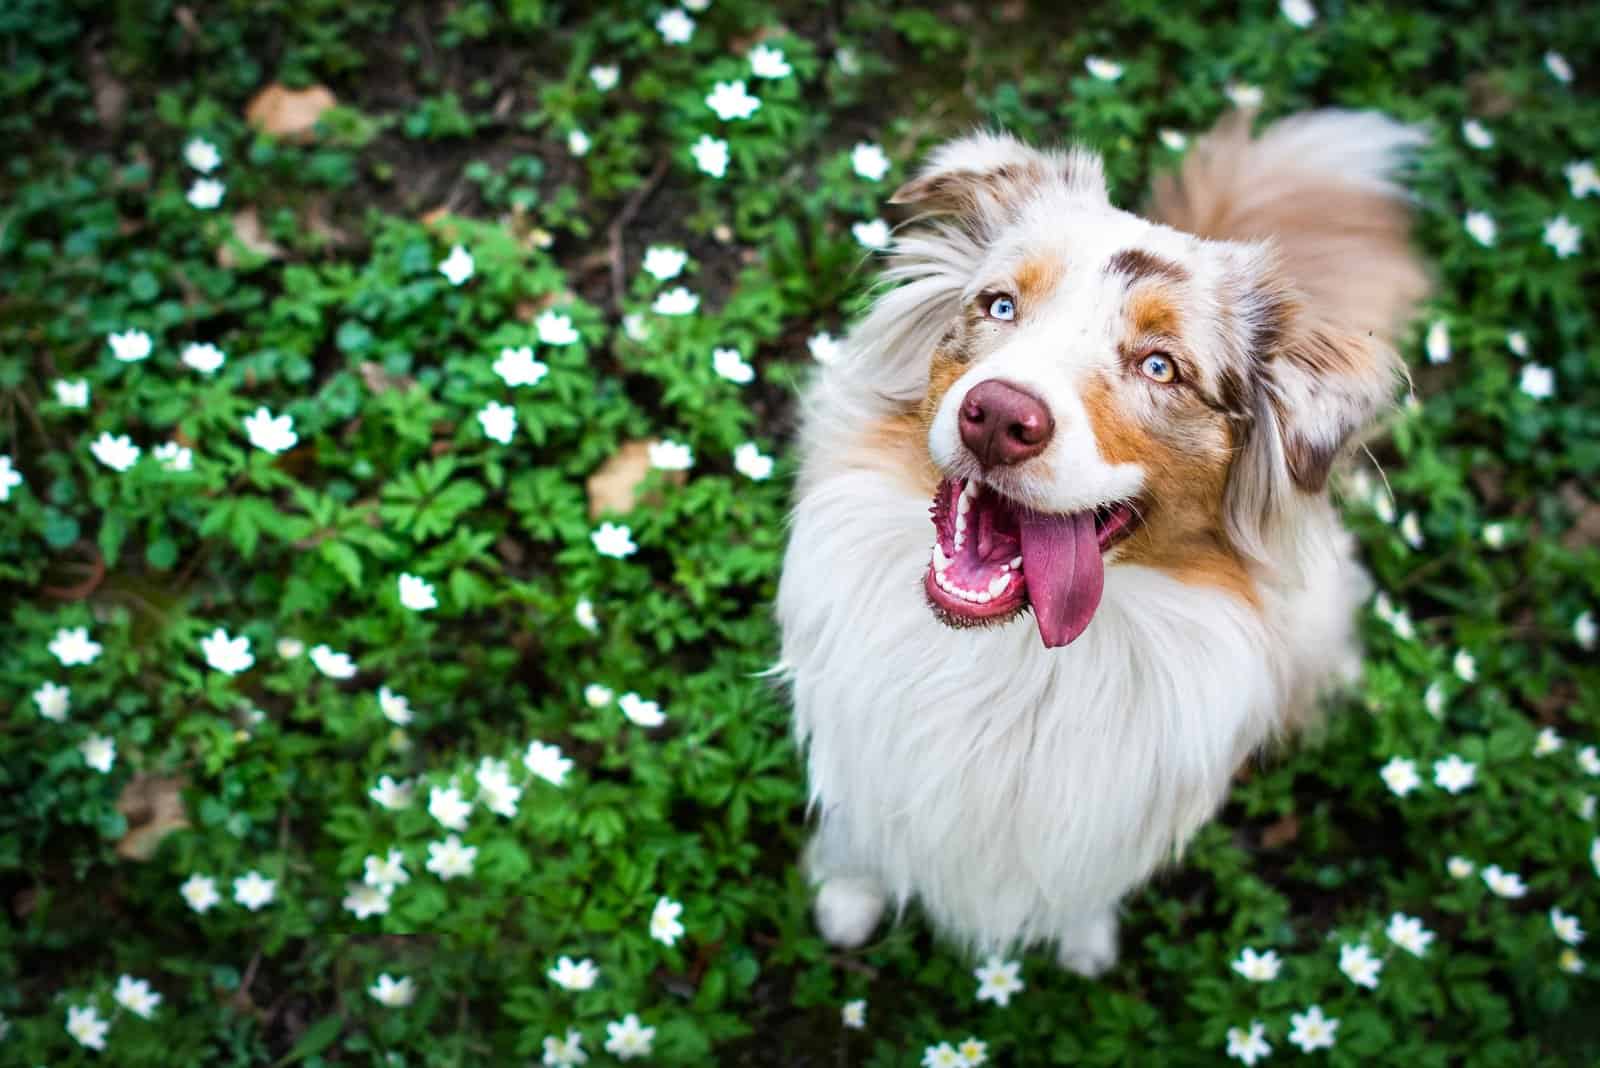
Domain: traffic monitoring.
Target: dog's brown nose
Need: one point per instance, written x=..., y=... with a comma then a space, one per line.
x=1002, y=424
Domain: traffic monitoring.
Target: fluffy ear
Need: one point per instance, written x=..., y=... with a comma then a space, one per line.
x=984, y=177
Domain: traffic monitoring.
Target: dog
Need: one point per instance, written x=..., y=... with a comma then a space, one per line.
x=1124, y=427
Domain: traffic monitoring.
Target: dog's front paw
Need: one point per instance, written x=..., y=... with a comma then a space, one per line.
x=848, y=910
x=1091, y=949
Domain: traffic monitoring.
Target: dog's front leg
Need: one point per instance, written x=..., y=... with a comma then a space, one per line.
x=850, y=901
x=1089, y=947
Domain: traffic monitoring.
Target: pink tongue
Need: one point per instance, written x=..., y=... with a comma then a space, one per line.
x=1061, y=565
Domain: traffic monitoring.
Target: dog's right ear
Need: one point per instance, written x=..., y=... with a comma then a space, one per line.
x=982, y=179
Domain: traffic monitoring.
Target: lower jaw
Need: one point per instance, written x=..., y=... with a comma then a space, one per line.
x=956, y=612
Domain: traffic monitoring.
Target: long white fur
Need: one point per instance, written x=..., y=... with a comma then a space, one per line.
x=1017, y=792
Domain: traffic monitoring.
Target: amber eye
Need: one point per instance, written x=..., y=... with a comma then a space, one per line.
x=1158, y=367
x=1003, y=308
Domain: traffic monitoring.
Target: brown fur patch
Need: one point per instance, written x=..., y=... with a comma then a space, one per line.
x=899, y=444
x=942, y=374
x=1037, y=278
x=1183, y=532
x=1154, y=312
x=1138, y=265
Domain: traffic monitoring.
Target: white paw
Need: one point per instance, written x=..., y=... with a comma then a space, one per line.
x=848, y=910
x=1090, y=950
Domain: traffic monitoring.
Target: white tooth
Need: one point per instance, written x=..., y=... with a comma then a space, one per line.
x=961, y=521
x=940, y=560
x=998, y=586
x=964, y=506
x=1016, y=561
x=969, y=490
x=983, y=598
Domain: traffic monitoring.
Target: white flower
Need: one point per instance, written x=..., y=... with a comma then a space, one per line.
x=564, y=1052
x=130, y=346
x=664, y=925
x=1249, y=1046
x=395, y=708
x=1504, y=883
x=1594, y=855
x=1494, y=536
x=546, y=762
x=998, y=979
x=393, y=795
x=824, y=348
x=873, y=234
x=174, y=457
x=1464, y=664
x=638, y=710
x=1383, y=506
x=118, y=453
x=1566, y=927
x=1538, y=381
x=254, y=890
x=416, y=593
x=517, y=367
x=1104, y=69
x=227, y=655
x=732, y=366
x=596, y=695
x=72, y=646
x=636, y=327
x=1173, y=139
x=495, y=788
x=578, y=143
x=205, y=358
x=499, y=421
x=1453, y=775
x=1589, y=760
x=333, y=664
x=1563, y=236
x=458, y=266
x=206, y=193
x=364, y=900
x=973, y=1052
x=1437, y=342
x=854, y=1014
x=731, y=101
x=574, y=975
x=1244, y=96
x=53, y=701
x=1411, y=530
x=1586, y=806
x=749, y=461
x=768, y=62
x=1302, y=14
x=99, y=752
x=1258, y=967
x=1517, y=342
x=1547, y=742
x=1408, y=933
x=1433, y=700
x=446, y=805
x=1311, y=1030
x=675, y=26
x=1400, y=775
x=605, y=78
x=711, y=155
x=555, y=329
x=202, y=155
x=393, y=993
x=71, y=395
x=628, y=1039
x=1476, y=134
x=449, y=858
x=584, y=612
x=868, y=161
x=614, y=540
x=1570, y=962
x=1459, y=867
x=1559, y=68
x=9, y=479
x=1481, y=227
x=671, y=455
x=200, y=893
x=677, y=301
x=944, y=1055
x=85, y=1025
x=664, y=263
x=1359, y=965
x=387, y=870
x=270, y=433
x=1582, y=178
x=1585, y=631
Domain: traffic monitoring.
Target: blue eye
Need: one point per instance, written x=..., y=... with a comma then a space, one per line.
x=1158, y=368
x=1003, y=308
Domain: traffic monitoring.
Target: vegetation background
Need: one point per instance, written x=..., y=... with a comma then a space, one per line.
x=149, y=765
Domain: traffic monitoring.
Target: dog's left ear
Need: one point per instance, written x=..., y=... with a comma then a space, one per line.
x=983, y=179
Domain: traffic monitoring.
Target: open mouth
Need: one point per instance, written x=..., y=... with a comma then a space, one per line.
x=993, y=558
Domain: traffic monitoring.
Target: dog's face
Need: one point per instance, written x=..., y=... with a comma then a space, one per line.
x=1089, y=401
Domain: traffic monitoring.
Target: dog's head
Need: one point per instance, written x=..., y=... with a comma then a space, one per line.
x=1110, y=391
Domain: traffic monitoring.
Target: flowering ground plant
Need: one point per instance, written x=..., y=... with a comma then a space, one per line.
x=395, y=424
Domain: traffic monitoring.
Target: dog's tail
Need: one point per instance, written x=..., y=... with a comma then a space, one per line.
x=1321, y=187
